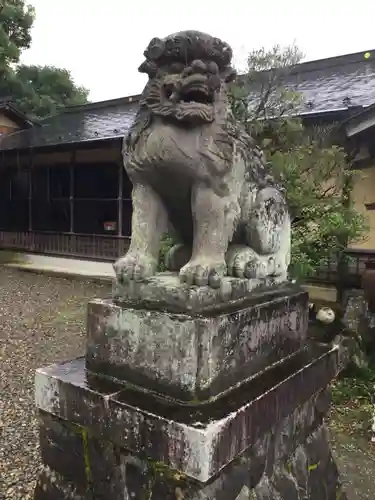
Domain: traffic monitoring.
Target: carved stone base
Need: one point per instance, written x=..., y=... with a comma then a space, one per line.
x=196, y=356
x=164, y=291
x=264, y=441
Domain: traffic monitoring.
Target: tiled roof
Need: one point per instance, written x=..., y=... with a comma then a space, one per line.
x=91, y=122
x=328, y=85
x=335, y=83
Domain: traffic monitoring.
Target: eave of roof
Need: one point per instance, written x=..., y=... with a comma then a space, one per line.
x=360, y=122
x=15, y=115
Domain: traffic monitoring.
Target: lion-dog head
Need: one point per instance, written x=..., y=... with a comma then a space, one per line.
x=185, y=100
x=187, y=72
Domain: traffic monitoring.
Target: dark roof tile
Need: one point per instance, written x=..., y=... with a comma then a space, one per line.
x=81, y=124
x=325, y=83
x=327, y=88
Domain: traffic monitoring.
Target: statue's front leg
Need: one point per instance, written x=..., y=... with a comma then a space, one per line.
x=149, y=223
x=212, y=229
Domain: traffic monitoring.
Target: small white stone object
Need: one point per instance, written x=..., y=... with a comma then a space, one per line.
x=325, y=315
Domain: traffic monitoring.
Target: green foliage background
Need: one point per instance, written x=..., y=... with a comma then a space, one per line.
x=315, y=171
x=38, y=91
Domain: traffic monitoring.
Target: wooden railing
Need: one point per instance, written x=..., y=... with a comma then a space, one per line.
x=350, y=275
x=88, y=246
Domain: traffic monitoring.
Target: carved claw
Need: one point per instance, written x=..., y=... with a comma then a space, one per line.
x=203, y=273
x=135, y=267
x=255, y=268
x=244, y=262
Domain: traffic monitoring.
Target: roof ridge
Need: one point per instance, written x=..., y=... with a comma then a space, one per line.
x=103, y=104
x=302, y=67
x=333, y=61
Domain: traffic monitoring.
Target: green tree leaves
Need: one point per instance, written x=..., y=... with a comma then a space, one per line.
x=316, y=173
x=16, y=20
x=38, y=91
x=45, y=90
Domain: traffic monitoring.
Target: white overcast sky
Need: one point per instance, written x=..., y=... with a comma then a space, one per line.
x=102, y=42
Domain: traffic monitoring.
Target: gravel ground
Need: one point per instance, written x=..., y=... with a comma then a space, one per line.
x=42, y=321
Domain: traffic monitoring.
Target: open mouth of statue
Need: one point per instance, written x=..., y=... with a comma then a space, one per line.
x=191, y=95
x=193, y=102
x=197, y=95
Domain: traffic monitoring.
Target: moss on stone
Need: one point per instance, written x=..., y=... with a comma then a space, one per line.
x=86, y=455
x=161, y=469
x=174, y=477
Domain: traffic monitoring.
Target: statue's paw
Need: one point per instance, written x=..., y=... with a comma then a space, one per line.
x=203, y=273
x=135, y=267
x=244, y=262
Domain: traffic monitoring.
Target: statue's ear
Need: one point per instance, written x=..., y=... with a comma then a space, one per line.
x=229, y=74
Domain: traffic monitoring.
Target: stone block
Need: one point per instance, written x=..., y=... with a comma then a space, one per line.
x=300, y=467
x=196, y=356
x=62, y=449
x=196, y=440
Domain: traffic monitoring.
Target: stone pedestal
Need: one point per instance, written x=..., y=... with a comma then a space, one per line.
x=220, y=400
x=194, y=344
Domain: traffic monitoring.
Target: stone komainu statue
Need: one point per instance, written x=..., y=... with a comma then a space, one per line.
x=194, y=168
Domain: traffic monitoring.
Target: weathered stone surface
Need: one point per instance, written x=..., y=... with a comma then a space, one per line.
x=220, y=195
x=196, y=356
x=354, y=305
x=165, y=292
x=197, y=440
x=52, y=486
x=298, y=465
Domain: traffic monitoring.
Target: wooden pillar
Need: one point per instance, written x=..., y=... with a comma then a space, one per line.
x=48, y=184
x=71, y=190
x=119, y=198
x=30, y=194
x=10, y=182
x=120, y=205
